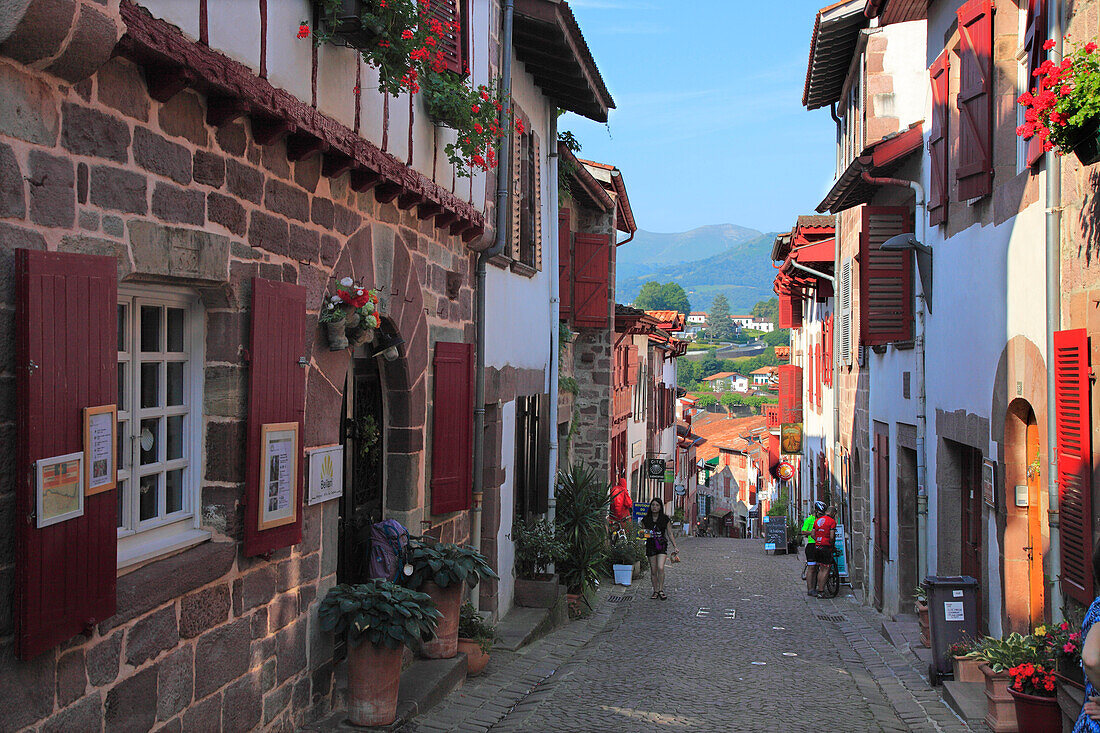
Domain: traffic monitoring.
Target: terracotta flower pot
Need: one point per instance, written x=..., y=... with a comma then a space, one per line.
x=475, y=658
x=967, y=669
x=374, y=674
x=922, y=619
x=541, y=592
x=447, y=600
x=1036, y=714
x=1000, y=713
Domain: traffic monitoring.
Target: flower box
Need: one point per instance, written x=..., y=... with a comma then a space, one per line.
x=967, y=669
x=1086, y=145
x=344, y=23
x=1000, y=713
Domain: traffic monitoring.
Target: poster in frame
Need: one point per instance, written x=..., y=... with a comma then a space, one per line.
x=100, y=449
x=279, y=466
x=989, y=483
x=59, y=488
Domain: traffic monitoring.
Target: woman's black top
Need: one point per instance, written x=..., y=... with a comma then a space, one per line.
x=657, y=542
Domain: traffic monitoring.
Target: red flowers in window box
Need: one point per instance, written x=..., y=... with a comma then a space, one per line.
x=1033, y=679
x=1065, y=102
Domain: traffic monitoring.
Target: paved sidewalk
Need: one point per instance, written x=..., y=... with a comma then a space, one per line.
x=738, y=646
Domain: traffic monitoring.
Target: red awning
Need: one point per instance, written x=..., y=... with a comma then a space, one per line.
x=823, y=251
x=880, y=158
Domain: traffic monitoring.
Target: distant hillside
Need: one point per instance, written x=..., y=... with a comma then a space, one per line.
x=727, y=259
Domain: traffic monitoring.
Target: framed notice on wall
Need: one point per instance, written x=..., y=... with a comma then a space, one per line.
x=100, y=449
x=278, y=475
x=989, y=483
x=59, y=484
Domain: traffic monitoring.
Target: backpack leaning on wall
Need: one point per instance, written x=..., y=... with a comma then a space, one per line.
x=389, y=543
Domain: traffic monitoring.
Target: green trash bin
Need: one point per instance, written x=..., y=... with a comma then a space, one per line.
x=952, y=616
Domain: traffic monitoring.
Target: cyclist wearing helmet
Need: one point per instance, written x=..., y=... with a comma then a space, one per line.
x=824, y=537
x=808, y=573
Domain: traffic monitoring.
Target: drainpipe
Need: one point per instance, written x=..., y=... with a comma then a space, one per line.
x=504, y=175
x=918, y=347
x=1054, y=323
x=555, y=315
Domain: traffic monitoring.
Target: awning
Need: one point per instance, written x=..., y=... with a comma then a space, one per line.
x=823, y=251
x=896, y=11
x=549, y=43
x=836, y=31
x=880, y=158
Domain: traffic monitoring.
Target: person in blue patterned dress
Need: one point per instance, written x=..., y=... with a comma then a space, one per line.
x=1089, y=719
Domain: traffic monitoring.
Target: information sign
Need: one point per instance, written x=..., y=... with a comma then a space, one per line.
x=775, y=534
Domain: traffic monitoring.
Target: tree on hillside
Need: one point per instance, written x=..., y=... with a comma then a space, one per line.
x=657, y=297
x=767, y=309
x=719, y=325
x=782, y=337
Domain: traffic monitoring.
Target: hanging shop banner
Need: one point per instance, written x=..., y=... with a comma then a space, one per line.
x=655, y=468
x=786, y=470
x=326, y=473
x=790, y=438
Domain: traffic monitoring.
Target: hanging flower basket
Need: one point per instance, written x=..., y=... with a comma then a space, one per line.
x=1086, y=143
x=474, y=113
x=344, y=23
x=1063, y=109
x=351, y=316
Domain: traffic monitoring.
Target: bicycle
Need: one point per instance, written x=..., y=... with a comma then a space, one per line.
x=832, y=583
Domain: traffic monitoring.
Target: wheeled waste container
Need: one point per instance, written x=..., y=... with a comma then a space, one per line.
x=952, y=616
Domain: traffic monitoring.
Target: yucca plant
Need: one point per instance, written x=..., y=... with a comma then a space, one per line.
x=581, y=518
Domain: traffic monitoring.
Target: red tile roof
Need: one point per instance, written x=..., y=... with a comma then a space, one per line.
x=725, y=432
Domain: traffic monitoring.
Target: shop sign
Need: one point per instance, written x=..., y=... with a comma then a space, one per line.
x=786, y=470
x=790, y=438
x=655, y=468
x=326, y=473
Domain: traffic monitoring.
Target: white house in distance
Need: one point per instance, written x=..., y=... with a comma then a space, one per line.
x=728, y=382
x=697, y=318
x=762, y=377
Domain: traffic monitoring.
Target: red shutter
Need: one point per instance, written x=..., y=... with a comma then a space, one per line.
x=452, y=427
x=632, y=365
x=565, y=266
x=276, y=394
x=66, y=354
x=1034, y=37
x=820, y=375
x=790, y=393
x=591, y=301
x=975, y=102
x=453, y=45
x=937, y=142
x=885, y=278
x=827, y=348
x=811, y=365
x=1073, y=417
x=790, y=309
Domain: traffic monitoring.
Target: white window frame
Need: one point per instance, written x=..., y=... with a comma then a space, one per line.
x=139, y=541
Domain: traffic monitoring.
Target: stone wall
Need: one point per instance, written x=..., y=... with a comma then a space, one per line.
x=208, y=639
x=593, y=371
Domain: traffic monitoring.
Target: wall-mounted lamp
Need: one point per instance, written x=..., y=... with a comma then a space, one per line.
x=924, y=261
x=387, y=346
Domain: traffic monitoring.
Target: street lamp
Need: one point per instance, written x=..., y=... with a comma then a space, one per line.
x=906, y=241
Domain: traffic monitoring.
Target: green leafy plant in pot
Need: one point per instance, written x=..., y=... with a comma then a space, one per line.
x=537, y=548
x=476, y=635
x=440, y=570
x=582, y=502
x=623, y=553
x=379, y=618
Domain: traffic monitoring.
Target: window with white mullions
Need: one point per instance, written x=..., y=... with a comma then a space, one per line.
x=159, y=412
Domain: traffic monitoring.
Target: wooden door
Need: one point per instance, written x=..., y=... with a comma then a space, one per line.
x=882, y=509
x=1034, y=549
x=971, y=525
x=361, y=503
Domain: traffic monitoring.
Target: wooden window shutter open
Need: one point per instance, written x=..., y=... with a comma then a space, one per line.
x=536, y=199
x=541, y=493
x=820, y=376
x=452, y=427
x=631, y=365
x=1035, y=35
x=565, y=266
x=453, y=45
x=790, y=309
x=846, y=312
x=885, y=278
x=276, y=394
x=790, y=393
x=827, y=348
x=975, y=100
x=1074, y=426
x=937, y=142
x=66, y=359
x=591, y=257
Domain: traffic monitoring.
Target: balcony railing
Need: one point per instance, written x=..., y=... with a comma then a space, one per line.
x=622, y=404
x=771, y=413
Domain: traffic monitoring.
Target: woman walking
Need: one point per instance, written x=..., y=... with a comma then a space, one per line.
x=655, y=523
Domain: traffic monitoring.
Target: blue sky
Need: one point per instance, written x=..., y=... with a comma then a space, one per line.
x=709, y=127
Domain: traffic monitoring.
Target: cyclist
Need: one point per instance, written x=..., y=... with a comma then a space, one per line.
x=824, y=538
x=808, y=573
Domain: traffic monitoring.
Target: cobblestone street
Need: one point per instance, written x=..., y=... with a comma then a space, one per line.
x=737, y=646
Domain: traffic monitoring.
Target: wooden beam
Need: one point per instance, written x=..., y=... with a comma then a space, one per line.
x=302, y=145
x=408, y=199
x=428, y=210
x=165, y=82
x=223, y=108
x=268, y=130
x=336, y=164
x=364, y=179
x=445, y=219
x=387, y=191
x=459, y=226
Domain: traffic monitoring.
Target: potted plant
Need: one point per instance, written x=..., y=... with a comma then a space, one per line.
x=1033, y=692
x=1065, y=644
x=624, y=553
x=1063, y=109
x=452, y=100
x=582, y=502
x=537, y=548
x=920, y=597
x=347, y=22
x=440, y=570
x=966, y=661
x=351, y=315
x=999, y=656
x=379, y=618
x=475, y=638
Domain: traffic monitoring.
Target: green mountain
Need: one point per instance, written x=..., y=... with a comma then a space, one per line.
x=731, y=260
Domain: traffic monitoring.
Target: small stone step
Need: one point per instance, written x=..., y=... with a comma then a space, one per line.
x=967, y=699
x=521, y=626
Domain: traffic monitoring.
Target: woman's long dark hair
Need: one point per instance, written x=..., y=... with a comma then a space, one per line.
x=652, y=521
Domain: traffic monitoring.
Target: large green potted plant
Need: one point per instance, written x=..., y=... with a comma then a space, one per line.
x=537, y=548
x=379, y=618
x=476, y=635
x=999, y=656
x=581, y=519
x=440, y=570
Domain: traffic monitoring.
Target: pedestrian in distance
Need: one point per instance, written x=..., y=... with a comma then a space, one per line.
x=807, y=531
x=621, y=503
x=824, y=539
x=655, y=525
